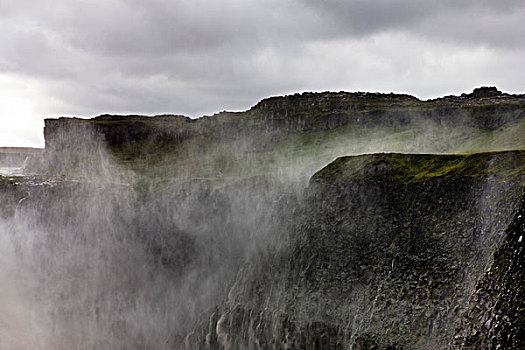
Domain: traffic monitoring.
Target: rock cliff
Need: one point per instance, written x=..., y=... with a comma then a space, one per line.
x=485, y=108
x=291, y=136
x=286, y=226
x=385, y=252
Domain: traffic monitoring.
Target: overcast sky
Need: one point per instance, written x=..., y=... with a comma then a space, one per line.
x=195, y=57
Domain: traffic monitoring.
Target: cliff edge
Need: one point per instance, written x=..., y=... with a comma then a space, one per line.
x=388, y=251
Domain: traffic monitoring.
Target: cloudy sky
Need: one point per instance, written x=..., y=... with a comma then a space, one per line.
x=197, y=57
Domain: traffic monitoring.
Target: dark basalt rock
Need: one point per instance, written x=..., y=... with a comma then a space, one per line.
x=381, y=258
x=486, y=91
x=495, y=315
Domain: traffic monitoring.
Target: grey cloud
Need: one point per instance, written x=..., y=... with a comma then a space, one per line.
x=165, y=27
x=158, y=27
x=495, y=23
x=485, y=26
x=196, y=57
x=154, y=27
x=32, y=51
x=367, y=17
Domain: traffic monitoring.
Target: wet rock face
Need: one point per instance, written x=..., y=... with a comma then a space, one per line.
x=495, y=315
x=405, y=256
x=384, y=251
x=374, y=262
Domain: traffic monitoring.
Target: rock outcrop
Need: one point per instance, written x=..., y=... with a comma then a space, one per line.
x=494, y=317
x=385, y=253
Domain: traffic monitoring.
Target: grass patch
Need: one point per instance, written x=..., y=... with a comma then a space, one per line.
x=409, y=168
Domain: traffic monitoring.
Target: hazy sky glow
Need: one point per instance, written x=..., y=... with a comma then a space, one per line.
x=195, y=57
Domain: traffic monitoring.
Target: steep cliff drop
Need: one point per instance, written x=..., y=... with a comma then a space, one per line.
x=282, y=227
x=385, y=253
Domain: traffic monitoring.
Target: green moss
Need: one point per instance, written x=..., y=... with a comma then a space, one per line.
x=11, y=180
x=6, y=181
x=409, y=168
x=505, y=138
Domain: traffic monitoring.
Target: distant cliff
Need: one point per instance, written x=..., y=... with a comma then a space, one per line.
x=16, y=156
x=308, y=128
x=485, y=108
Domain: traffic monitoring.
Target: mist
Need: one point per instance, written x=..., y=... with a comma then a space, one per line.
x=105, y=260
x=134, y=245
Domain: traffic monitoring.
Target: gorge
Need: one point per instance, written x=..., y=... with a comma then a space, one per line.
x=311, y=221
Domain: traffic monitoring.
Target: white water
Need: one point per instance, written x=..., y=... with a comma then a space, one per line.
x=11, y=171
x=22, y=320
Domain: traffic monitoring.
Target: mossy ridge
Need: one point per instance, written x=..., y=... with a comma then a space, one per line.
x=507, y=137
x=148, y=156
x=410, y=168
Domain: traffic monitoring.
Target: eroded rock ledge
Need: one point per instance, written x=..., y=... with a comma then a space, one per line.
x=485, y=108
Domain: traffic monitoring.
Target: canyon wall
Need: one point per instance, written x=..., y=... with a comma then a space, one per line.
x=311, y=221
